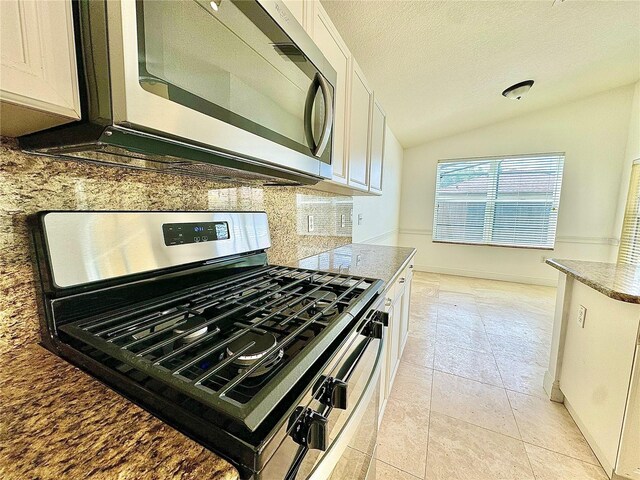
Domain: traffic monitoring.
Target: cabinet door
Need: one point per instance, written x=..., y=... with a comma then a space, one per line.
x=394, y=333
x=383, y=375
x=336, y=52
x=38, y=66
x=360, y=103
x=377, y=148
x=396, y=328
x=406, y=309
x=391, y=341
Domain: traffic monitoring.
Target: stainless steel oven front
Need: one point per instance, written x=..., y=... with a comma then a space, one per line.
x=241, y=76
x=349, y=416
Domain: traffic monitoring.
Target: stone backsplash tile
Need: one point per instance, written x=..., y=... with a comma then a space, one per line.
x=30, y=183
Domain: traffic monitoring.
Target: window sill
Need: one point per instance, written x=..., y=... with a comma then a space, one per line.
x=521, y=247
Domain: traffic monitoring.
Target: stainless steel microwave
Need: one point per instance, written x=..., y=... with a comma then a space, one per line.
x=231, y=89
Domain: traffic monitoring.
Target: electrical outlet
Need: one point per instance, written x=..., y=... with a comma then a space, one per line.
x=310, y=223
x=343, y=220
x=359, y=219
x=582, y=315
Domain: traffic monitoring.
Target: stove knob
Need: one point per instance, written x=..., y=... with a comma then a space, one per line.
x=334, y=393
x=308, y=428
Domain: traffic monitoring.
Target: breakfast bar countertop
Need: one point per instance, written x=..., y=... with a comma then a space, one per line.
x=617, y=281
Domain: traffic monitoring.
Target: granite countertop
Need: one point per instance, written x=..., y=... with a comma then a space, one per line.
x=59, y=422
x=617, y=281
x=373, y=261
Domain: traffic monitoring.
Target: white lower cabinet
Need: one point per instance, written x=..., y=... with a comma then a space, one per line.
x=38, y=77
x=398, y=308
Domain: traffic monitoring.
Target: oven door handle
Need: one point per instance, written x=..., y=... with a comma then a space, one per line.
x=340, y=444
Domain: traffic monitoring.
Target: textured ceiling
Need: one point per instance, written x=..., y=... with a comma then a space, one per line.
x=439, y=67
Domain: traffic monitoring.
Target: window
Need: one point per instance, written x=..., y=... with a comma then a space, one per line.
x=629, y=251
x=506, y=201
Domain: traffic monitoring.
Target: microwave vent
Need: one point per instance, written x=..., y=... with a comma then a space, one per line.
x=290, y=51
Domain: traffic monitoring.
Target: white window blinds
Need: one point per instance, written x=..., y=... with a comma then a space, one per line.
x=507, y=201
x=629, y=251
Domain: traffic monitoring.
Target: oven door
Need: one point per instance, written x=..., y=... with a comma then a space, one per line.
x=335, y=435
x=238, y=76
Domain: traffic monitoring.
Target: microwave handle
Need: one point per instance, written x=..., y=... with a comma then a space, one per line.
x=318, y=82
x=328, y=116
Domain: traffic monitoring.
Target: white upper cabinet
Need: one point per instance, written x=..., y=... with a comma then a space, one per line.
x=297, y=9
x=38, y=77
x=376, y=157
x=332, y=46
x=361, y=101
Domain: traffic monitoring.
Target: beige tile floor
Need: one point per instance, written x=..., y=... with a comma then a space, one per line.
x=468, y=402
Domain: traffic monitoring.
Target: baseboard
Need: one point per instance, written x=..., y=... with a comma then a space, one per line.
x=506, y=277
x=552, y=388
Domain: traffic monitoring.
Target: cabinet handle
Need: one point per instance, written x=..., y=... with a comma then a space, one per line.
x=387, y=302
x=401, y=280
x=410, y=266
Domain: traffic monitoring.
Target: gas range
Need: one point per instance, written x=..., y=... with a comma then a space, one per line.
x=275, y=368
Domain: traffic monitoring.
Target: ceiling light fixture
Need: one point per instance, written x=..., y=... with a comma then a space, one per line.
x=215, y=5
x=517, y=91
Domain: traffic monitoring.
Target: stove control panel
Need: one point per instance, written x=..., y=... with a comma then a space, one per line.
x=184, y=233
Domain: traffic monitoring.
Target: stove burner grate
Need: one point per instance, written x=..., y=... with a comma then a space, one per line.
x=225, y=344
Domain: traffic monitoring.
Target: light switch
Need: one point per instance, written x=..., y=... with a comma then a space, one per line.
x=343, y=220
x=359, y=219
x=310, y=223
x=582, y=315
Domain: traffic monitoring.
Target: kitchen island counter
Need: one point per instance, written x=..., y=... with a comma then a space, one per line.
x=617, y=281
x=594, y=366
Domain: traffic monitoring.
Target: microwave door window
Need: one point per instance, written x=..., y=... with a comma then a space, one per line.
x=233, y=63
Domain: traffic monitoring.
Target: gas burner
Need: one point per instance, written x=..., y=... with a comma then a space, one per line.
x=191, y=322
x=319, y=300
x=262, y=342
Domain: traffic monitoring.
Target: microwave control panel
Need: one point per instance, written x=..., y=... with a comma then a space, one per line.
x=184, y=233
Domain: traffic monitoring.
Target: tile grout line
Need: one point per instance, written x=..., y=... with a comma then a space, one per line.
x=397, y=468
x=503, y=387
x=426, y=459
x=516, y=420
x=565, y=455
x=483, y=383
x=513, y=415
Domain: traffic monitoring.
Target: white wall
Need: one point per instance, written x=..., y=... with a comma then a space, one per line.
x=380, y=214
x=593, y=134
x=632, y=152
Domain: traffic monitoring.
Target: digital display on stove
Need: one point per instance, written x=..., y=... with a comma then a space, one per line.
x=184, y=233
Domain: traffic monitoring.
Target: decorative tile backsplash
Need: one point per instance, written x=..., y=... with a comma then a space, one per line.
x=30, y=183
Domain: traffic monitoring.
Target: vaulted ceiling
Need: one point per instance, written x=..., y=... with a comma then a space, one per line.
x=439, y=67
